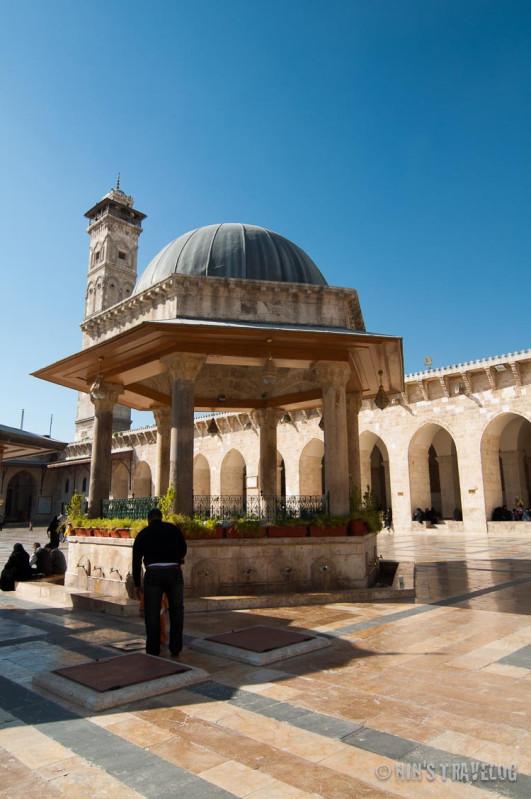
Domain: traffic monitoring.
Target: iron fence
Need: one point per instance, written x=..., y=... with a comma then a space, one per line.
x=131, y=508
x=225, y=507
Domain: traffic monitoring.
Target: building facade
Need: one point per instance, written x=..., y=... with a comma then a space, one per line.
x=457, y=439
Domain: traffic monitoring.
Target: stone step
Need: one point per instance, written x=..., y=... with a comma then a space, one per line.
x=100, y=603
x=45, y=591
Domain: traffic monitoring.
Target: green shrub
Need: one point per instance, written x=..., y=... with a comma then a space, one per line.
x=166, y=503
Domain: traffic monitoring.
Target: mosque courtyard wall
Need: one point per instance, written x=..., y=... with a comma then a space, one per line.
x=457, y=439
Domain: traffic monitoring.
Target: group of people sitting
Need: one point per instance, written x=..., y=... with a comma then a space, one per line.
x=518, y=514
x=429, y=515
x=45, y=561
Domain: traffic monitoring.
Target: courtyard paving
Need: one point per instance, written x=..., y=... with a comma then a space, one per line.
x=410, y=700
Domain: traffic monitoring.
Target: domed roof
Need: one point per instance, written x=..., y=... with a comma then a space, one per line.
x=232, y=250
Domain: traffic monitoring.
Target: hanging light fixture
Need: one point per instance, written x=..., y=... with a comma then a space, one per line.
x=381, y=399
x=269, y=374
x=212, y=428
x=286, y=419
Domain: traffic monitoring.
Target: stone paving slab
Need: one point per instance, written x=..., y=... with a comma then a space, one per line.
x=94, y=700
x=260, y=658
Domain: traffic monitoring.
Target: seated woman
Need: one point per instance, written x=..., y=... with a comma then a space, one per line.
x=16, y=569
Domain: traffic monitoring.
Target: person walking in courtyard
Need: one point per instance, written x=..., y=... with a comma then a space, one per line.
x=53, y=531
x=162, y=548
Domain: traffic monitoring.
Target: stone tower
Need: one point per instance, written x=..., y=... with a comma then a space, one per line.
x=114, y=227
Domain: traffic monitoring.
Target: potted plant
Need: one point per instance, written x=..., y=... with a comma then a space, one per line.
x=246, y=527
x=196, y=529
x=289, y=528
x=364, y=514
x=328, y=526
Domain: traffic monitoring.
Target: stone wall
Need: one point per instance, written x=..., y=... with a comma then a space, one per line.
x=238, y=566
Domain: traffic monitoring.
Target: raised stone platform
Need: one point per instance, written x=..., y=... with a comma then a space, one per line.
x=102, y=566
x=102, y=684
x=260, y=645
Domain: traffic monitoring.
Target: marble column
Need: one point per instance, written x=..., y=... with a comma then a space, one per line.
x=182, y=369
x=267, y=420
x=333, y=377
x=104, y=397
x=353, y=432
x=162, y=476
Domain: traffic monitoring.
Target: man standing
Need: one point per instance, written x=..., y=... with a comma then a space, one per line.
x=162, y=547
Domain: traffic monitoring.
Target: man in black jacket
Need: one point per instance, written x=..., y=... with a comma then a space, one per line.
x=162, y=547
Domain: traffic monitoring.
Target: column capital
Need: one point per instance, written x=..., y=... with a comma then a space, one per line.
x=332, y=374
x=267, y=416
x=104, y=395
x=162, y=418
x=183, y=365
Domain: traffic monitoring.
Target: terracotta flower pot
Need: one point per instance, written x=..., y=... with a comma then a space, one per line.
x=122, y=532
x=252, y=532
x=316, y=531
x=358, y=527
x=220, y=531
x=287, y=531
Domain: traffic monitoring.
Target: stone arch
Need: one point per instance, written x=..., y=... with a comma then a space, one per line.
x=120, y=481
x=374, y=467
x=506, y=461
x=434, y=471
x=233, y=474
x=281, y=476
x=311, y=469
x=141, y=486
x=201, y=476
x=20, y=496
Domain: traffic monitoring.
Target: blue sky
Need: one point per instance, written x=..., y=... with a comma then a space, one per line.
x=390, y=140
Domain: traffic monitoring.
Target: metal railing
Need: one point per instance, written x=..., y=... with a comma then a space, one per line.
x=225, y=507
x=131, y=508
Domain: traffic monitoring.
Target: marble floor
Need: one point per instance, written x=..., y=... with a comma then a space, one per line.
x=410, y=700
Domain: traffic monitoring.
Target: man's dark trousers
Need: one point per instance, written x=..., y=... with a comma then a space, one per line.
x=160, y=580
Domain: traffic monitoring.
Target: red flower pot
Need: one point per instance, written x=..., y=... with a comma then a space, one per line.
x=220, y=531
x=121, y=532
x=287, y=531
x=327, y=532
x=358, y=527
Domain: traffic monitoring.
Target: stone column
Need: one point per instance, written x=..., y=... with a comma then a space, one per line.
x=162, y=418
x=267, y=420
x=183, y=369
x=353, y=432
x=333, y=378
x=104, y=397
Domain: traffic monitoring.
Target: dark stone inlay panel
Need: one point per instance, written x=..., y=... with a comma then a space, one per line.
x=122, y=671
x=261, y=638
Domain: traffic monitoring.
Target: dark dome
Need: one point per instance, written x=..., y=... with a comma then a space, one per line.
x=232, y=250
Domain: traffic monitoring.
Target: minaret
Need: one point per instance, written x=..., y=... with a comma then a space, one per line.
x=114, y=227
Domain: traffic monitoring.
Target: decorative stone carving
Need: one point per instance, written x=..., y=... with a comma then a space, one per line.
x=183, y=365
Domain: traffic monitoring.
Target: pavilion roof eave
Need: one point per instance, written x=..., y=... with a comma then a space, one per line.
x=147, y=342
x=15, y=443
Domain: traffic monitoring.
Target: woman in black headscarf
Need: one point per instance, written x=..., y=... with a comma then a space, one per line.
x=16, y=569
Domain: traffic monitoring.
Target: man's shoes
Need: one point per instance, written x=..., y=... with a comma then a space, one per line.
x=175, y=654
